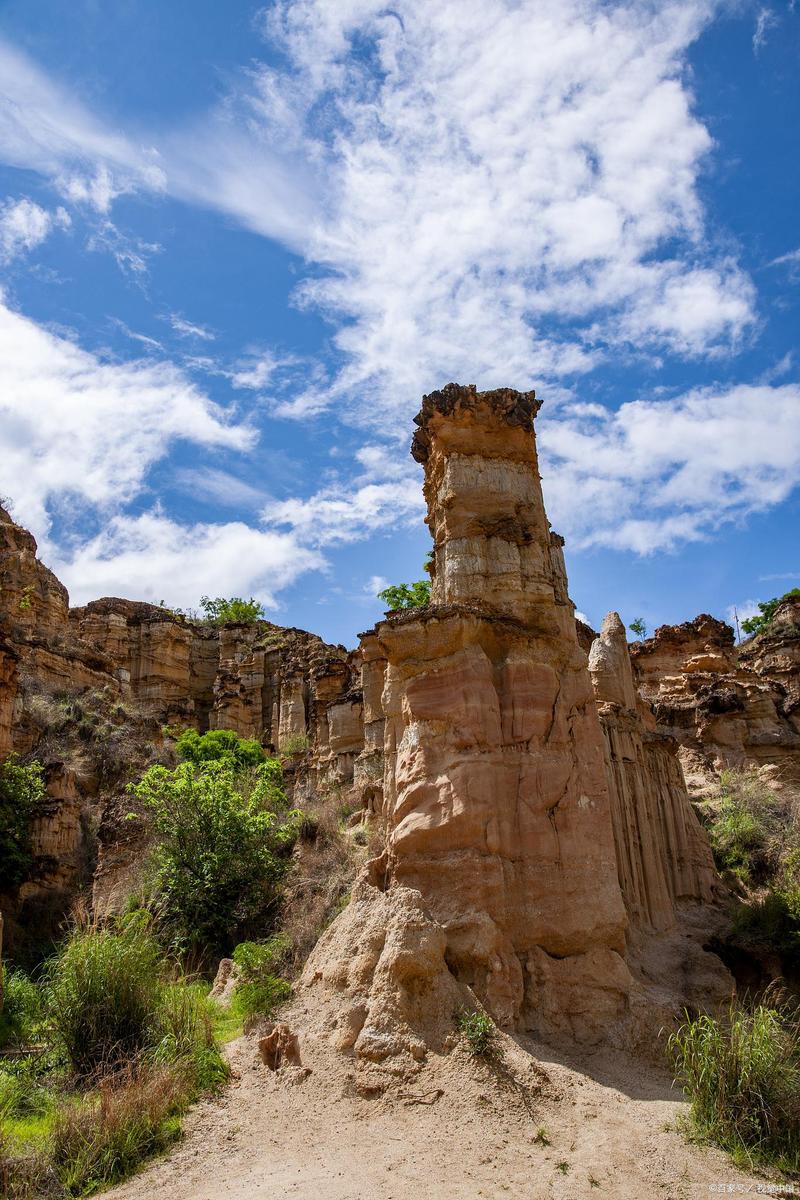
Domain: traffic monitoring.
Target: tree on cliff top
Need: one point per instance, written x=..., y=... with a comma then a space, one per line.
x=235, y=610
x=768, y=608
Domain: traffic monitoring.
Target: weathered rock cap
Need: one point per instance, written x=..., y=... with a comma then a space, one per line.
x=512, y=407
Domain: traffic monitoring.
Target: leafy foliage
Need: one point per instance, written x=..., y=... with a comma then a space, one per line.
x=742, y=1075
x=235, y=610
x=21, y=794
x=260, y=989
x=767, y=609
x=406, y=595
x=479, y=1030
x=217, y=745
x=639, y=626
x=223, y=838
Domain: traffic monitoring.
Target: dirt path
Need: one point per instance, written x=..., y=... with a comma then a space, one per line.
x=461, y=1130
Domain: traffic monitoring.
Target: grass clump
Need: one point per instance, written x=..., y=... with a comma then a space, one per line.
x=741, y=1073
x=22, y=1008
x=478, y=1029
x=260, y=988
x=126, y=1046
x=102, y=1140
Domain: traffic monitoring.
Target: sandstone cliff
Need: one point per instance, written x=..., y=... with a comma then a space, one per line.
x=87, y=691
x=726, y=706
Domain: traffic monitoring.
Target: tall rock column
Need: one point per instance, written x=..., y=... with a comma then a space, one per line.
x=495, y=786
x=663, y=856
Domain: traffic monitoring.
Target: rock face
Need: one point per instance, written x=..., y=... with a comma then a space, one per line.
x=87, y=691
x=726, y=706
x=663, y=857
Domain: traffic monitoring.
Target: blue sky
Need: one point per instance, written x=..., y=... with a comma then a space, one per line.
x=238, y=243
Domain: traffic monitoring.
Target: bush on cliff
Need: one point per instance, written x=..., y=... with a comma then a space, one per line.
x=223, y=838
x=233, y=611
x=741, y=1073
x=767, y=609
x=218, y=745
x=21, y=795
x=406, y=595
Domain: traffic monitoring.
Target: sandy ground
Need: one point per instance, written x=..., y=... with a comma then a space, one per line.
x=460, y=1129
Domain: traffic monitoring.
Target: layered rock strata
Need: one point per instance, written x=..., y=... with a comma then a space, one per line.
x=494, y=788
x=726, y=705
x=663, y=857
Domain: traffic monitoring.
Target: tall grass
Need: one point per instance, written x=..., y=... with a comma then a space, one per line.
x=133, y=1116
x=104, y=996
x=741, y=1073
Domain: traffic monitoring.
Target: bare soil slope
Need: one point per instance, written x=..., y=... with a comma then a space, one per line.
x=461, y=1129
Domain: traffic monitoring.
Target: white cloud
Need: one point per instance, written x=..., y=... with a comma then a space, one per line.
x=656, y=473
x=25, y=225
x=780, y=575
x=188, y=329
x=464, y=220
x=150, y=557
x=209, y=483
x=340, y=513
x=43, y=128
x=766, y=19
x=76, y=428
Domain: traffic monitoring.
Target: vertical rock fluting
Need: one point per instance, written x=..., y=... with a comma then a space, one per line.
x=663, y=857
x=495, y=790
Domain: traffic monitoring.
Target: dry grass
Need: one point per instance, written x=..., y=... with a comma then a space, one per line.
x=134, y=1115
x=327, y=859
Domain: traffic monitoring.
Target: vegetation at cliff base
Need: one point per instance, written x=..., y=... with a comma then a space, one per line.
x=21, y=795
x=123, y=1044
x=223, y=836
x=231, y=611
x=741, y=1073
x=754, y=829
x=767, y=609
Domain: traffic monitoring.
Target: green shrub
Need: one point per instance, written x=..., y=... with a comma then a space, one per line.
x=218, y=745
x=222, y=845
x=260, y=989
x=232, y=611
x=742, y=1077
x=21, y=795
x=479, y=1030
x=406, y=595
x=763, y=619
x=22, y=1008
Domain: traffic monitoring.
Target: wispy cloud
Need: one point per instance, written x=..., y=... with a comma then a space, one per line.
x=766, y=19
x=188, y=329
